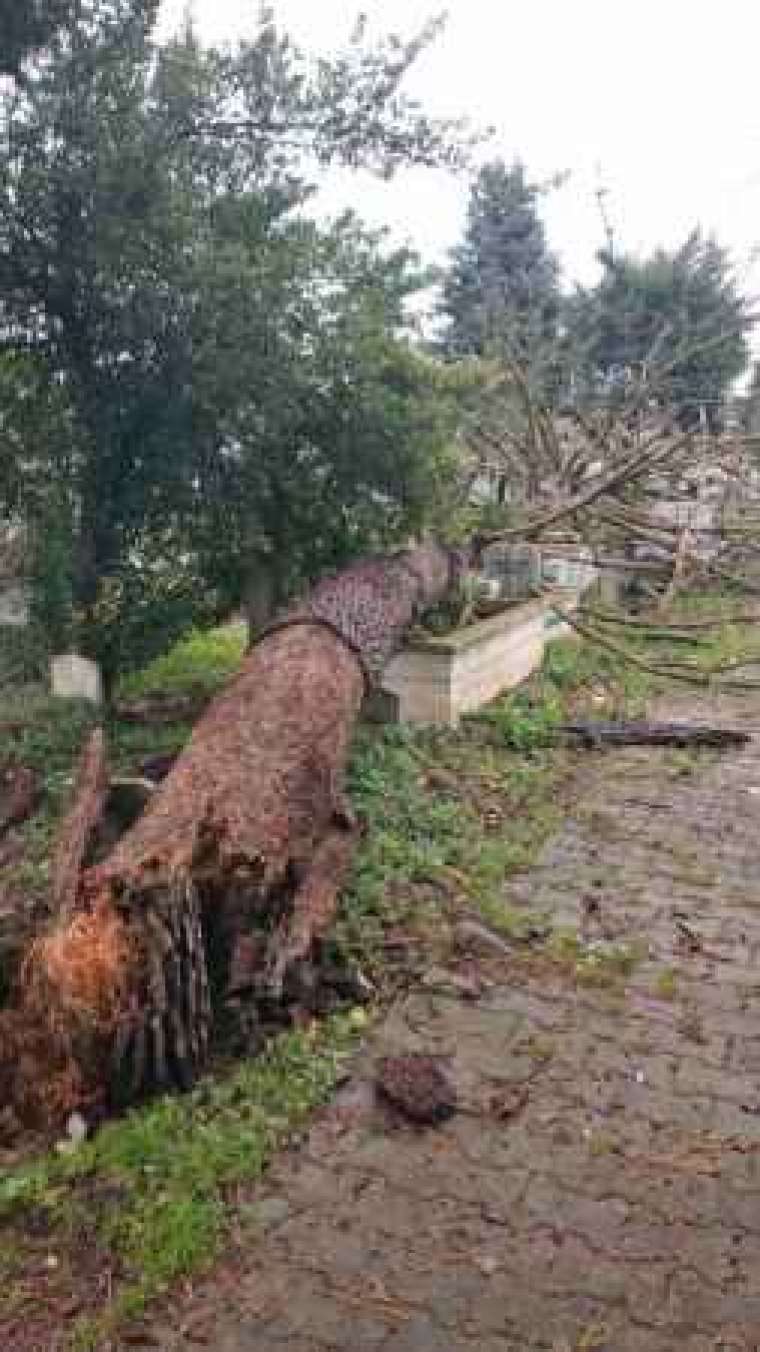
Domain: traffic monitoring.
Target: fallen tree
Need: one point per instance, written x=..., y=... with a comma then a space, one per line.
x=230, y=877
x=223, y=888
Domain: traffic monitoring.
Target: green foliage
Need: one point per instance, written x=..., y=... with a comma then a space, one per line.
x=525, y=723
x=193, y=375
x=23, y=656
x=342, y=433
x=169, y=1164
x=26, y=26
x=202, y=660
x=501, y=292
x=51, y=580
x=679, y=316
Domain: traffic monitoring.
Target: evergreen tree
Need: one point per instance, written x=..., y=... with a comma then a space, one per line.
x=26, y=26
x=501, y=292
x=679, y=319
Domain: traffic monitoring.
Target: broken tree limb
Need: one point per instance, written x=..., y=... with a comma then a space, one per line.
x=312, y=909
x=241, y=851
x=681, y=625
x=643, y=733
x=646, y=629
x=625, y=471
x=672, y=671
x=679, y=569
x=78, y=827
x=20, y=793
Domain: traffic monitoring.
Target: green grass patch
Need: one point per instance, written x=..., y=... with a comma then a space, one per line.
x=151, y=1187
x=451, y=815
x=597, y=965
x=666, y=985
x=454, y=813
x=47, y=734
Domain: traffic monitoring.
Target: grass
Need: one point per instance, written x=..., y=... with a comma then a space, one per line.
x=150, y=1190
x=603, y=966
x=451, y=816
x=202, y=662
x=454, y=813
x=666, y=985
x=46, y=734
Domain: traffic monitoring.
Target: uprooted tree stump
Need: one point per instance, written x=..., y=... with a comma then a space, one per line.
x=231, y=876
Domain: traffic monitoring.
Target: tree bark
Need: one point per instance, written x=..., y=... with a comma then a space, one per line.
x=231, y=876
x=642, y=733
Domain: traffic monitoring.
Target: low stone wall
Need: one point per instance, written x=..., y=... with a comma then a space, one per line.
x=436, y=680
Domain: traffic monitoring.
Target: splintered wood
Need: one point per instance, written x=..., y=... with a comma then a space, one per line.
x=231, y=876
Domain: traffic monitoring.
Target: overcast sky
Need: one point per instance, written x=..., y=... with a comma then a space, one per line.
x=659, y=100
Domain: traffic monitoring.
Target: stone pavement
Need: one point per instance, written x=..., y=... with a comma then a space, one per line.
x=600, y=1190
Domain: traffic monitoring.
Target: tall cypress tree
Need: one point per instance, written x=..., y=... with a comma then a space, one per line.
x=501, y=292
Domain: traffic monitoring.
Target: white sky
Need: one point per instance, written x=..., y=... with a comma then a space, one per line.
x=661, y=98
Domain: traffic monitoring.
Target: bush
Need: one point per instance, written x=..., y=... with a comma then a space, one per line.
x=201, y=661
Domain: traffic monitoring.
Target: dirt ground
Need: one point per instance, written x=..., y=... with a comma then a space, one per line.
x=599, y=1191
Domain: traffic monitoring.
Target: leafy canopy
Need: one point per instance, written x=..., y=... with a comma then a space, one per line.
x=192, y=374
x=681, y=317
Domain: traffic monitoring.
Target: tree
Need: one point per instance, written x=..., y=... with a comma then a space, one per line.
x=151, y=244
x=26, y=27
x=228, y=882
x=501, y=291
x=750, y=404
x=683, y=311
x=334, y=433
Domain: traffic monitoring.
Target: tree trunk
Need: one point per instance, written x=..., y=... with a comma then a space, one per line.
x=231, y=876
x=262, y=596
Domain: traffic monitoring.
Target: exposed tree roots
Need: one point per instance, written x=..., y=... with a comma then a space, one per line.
x=229, y=879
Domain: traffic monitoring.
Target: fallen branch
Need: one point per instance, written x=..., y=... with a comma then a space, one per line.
x=679, y=625
x=631, y=468
x=20, y=792
x=647, y=629
x=679, y=570
x=642, y=733
x=671, y=672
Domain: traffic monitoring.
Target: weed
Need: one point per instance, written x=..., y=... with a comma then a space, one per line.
x=540, y=1047
x=600, y=965
x=666, y=984
x=600, y=1144
x=593, y=1339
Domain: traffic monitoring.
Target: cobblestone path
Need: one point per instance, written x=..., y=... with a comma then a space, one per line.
x=600, y=1190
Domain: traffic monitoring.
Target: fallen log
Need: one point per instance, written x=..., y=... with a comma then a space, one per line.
x=230, y=877
x=20, y=793
x=642, y=733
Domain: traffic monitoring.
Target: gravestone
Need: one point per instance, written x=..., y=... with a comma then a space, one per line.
x=514, y=569
x=75, y=677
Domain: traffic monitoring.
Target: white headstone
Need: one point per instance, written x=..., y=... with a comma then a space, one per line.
x=14, y=603
x=75, y=677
